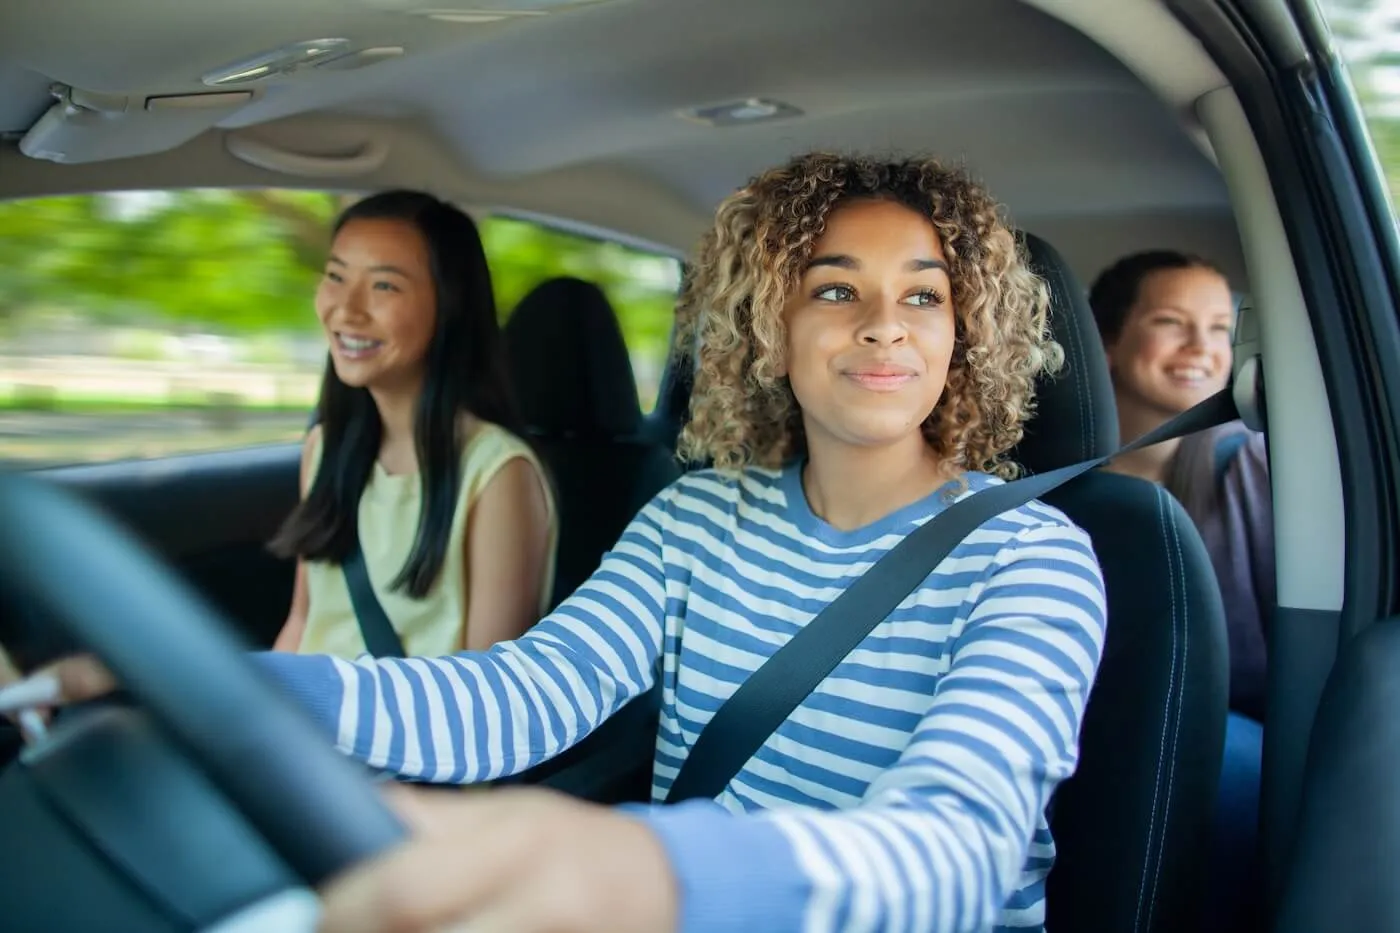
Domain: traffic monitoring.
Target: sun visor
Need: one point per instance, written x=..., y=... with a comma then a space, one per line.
x=86, y=127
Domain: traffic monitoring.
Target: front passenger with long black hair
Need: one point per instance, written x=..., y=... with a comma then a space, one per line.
x=416, y=459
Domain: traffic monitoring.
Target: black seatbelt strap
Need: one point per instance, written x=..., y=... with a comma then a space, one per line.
x=761, y=704
x=380, y=638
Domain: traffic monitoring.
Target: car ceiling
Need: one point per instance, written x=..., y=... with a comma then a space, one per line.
x=576, y=114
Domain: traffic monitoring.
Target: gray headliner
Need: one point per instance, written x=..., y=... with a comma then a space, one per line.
x=574, y=115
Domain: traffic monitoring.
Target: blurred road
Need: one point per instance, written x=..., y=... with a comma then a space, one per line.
x=33, y=439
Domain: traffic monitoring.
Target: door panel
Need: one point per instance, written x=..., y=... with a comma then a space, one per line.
x=1342, y=874
x=211, y=516
x=1302, y=649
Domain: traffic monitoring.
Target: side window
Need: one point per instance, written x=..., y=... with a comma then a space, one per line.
x=147, y=324
x=154, y=323
x=640, y=285
x=1367, y=36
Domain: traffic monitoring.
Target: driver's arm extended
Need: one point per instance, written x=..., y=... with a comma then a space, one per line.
x=479, y=715
x=943, y=837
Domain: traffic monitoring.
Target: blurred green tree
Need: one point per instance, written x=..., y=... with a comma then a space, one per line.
x=244, y=261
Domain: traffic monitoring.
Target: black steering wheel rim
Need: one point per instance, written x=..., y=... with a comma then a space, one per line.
x=177, y=657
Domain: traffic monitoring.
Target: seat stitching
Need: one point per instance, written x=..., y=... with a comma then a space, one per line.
x=1162, y=748
x=1057, y=307
x=1179, y=580
x=1081, y=393
x=1086, y=416
x=1087, y=441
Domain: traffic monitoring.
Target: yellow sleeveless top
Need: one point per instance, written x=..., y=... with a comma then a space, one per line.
x=388, y=523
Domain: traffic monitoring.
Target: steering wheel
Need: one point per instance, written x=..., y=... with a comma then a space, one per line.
x=178, y=658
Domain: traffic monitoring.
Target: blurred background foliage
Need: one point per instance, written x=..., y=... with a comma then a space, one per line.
x=245, y=262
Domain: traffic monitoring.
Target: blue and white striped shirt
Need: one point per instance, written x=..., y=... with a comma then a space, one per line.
x=907, y=793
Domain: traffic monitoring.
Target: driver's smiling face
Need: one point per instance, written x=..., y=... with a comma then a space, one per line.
x=871, y=326
x=377, y=303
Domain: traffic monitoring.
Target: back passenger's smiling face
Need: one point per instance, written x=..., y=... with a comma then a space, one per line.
x=871, y=327
x=377, y=303
x=1175, y=346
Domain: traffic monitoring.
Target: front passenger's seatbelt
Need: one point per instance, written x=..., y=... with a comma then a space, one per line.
x=779, y=686
x=381, y=639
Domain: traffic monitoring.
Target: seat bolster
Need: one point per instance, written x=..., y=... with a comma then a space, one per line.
x=1132, y=825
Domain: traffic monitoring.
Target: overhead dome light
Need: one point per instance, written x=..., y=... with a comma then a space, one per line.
x=740, y=112
x=283, y=61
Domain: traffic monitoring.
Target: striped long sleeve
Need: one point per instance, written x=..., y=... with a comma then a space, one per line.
x=950, y=838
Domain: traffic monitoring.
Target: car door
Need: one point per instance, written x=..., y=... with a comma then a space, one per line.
x=1329, y=828
x=210, y=515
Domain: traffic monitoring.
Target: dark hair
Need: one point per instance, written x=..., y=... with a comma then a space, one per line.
x=1116, y=289
x=465, y=373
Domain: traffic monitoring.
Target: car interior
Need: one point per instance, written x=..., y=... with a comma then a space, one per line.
x=1217, y=127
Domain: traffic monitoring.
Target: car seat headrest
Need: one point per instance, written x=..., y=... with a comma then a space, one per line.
x=1076, y=417
x=569, y=362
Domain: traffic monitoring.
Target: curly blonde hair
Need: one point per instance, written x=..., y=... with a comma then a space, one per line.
x=730, y=312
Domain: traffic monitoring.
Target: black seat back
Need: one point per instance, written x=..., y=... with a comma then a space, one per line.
x=1132, y=825
x=578, y=398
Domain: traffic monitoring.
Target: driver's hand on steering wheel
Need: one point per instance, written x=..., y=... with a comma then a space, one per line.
x=521, y=860
x=70, y=680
